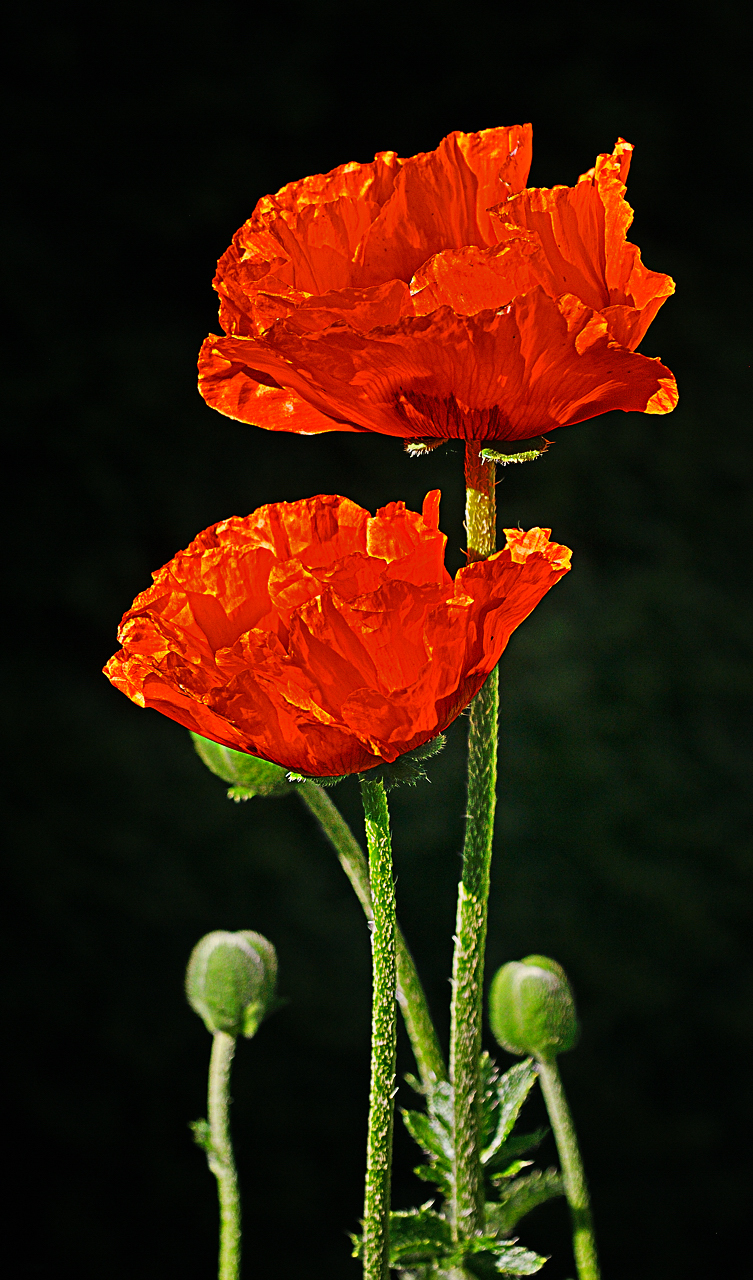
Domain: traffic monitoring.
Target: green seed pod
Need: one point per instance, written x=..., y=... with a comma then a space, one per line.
x=531, y=1008
x=248, y=775
x=230, y=981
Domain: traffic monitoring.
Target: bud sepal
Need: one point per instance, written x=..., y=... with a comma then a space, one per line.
x=249, y=775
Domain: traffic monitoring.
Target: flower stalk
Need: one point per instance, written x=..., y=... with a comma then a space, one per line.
x=220, y=1155
x=410, y=993
x=383, y=1034
x=576, y=1188
x=473, y=892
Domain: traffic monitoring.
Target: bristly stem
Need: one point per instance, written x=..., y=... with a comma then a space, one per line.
x=410, y=993
x=576, y=1188
x=467, y=1208
x=376, y=1212
x=220, y=1155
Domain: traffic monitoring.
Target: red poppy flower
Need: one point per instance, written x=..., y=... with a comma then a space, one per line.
x=324, y=639
x=437, y=297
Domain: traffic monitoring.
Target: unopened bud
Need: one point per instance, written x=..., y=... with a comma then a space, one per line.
x=231, y=979
x=531, y=1008
x=248, y=775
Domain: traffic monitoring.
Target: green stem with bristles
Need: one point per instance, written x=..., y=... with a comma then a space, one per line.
x=467, y=1206
x=376, y=1209
x=410, y=993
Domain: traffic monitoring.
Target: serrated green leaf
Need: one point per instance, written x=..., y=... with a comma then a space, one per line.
x=419, y=1235
x=440, y=1102
x=432, y=1130
x=484, y=1255
x=430, y=1136
x=516, y=1145
x=514, y=1260
x=521, y=1196
x=511, y=1170
x=489, y=1078
x=414, y=1083
x=512, y=1090
x=437, y=1174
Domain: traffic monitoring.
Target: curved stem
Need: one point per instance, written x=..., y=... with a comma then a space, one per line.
x=220, y=1155
x=576, y=1188
x=376, y=1210
x=410, y=993
x=467, y=1205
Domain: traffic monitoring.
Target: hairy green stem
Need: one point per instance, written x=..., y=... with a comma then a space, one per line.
x=467, y=1207
x=376, y=1211
x=410, y=993
x=220, y=1155
x=576, y=1189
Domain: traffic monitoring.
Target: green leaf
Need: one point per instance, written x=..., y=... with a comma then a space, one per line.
x=521, y=1196
x=422, y=1249
x=489, y=1073
x=419, y=1235
x=436, y=1174
x=432, y=1130
x=505, y=1256
x=440, y=1101
x=511, y=1170
x=512, y=1090
x=424, y=1129
x=514, y=1260
x=518, y=1144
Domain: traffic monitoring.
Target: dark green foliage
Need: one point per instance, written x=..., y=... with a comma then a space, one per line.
x=421, y=1246
x=417, y=1236
x=502, y=1098
x=423, y=1236
x=518, y=1196
x=432, y=1130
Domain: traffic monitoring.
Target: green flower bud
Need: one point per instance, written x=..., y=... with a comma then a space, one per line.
x=531, y=1008
x=231, y=979
x=249, y=776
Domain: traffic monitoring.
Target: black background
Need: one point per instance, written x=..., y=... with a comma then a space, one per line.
x=137, y=138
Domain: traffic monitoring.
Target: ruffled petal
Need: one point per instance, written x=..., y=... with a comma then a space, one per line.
x=366, y=224
x=471, y=279
x=582, y=231
x=227, y=384
x=441, y=201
